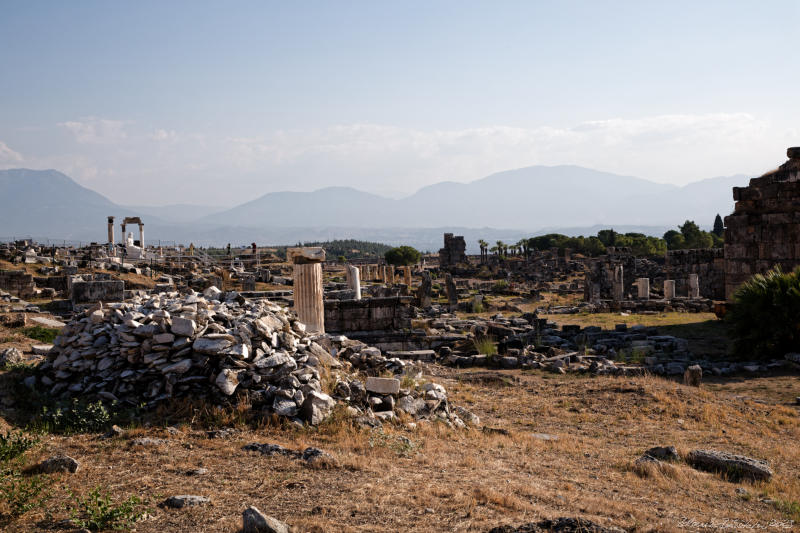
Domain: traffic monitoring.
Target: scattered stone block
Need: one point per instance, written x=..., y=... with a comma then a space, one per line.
x=254, y=521
x=735, y=467
x=383, y=385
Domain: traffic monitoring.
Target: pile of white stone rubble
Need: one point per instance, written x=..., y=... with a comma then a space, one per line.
x=224, y=348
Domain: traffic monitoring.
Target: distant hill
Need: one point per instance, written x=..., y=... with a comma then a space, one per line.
x=526, y=202
x=525, y=199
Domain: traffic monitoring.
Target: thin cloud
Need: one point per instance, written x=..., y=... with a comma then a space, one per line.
x=9, y=156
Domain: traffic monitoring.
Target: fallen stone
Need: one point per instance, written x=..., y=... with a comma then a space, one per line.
x=544, y=436
x=183, y=326
x=317, y=406
x=735, y=467
x=693, y=376
x=11, y=356
x=47, y=322
x=147, y=441
x=382, y=385
x=57, y=464
x=185, y=500
x=254, y=521
x=227, y=381
x=41, y=349
x=666, y=453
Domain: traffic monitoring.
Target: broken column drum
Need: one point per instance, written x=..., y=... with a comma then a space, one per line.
x=669, y=289
x=407, y=275
x=308, y=294
x=643, y=285
x=354, y=280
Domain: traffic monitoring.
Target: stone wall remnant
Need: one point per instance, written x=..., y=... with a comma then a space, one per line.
x=454, y=251
x=764, y=229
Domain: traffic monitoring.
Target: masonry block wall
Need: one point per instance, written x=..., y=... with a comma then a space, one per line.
x=764, y=229
x=17, y=282
x=369, y=314
x=708, y=264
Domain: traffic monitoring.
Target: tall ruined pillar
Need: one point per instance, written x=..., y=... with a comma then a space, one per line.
x=390, y=275
x=111, y=230
x=452, y=292
x=618, y=284
x=694, y=286
x=354, y=280
x=424, y=290
x=669, y=289
x=124, y=237
x=308, y=302
x=141, y=236
x=407, y=276
x=643, y=284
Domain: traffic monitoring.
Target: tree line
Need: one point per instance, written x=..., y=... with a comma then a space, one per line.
x=687, y=236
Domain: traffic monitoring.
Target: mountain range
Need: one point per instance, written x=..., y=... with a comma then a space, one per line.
x=505, y=206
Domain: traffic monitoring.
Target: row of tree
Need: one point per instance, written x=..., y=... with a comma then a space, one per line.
x=688, y=235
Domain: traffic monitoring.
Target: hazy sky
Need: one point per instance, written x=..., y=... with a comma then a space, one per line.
x=219, y=102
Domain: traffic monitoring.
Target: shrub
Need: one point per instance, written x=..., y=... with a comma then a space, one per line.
x=12, y=445
x=41, y=334
x=485, y=345
x=500, y=286
x=78, y=417
x=97, y=512
x=765, y=317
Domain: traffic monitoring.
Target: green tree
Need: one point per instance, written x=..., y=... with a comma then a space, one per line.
x=719, y=227
x=608, y=237
x=402, y=256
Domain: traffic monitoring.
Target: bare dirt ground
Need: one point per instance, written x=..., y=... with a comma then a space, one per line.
x=444, y=479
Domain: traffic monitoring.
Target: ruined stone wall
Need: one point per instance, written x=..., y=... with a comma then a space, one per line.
x=57, y=283
x=764, y=229
x=97, y=291
x=599, y=277
x=708, y=264
x=453, y=252
x=17, y=282
x=369, y=314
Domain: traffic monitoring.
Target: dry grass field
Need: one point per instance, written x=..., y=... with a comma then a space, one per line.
x=438, y=479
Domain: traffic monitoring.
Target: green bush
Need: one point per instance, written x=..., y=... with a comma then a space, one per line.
x=500, y=286
x=765, y=316
x=47, y=335
x=97, y=512
x=78, y=417
x=12, y=445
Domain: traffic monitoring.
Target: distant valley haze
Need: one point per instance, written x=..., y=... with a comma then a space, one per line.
x=504, y=206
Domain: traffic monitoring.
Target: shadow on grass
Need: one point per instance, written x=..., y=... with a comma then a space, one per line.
x=709, y=339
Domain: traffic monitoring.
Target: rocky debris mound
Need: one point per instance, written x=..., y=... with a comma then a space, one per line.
x=559, y=525
x=221, y=348
x=735, y=467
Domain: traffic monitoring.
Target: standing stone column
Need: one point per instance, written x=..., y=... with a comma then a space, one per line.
x=424, y=290
x=694, y=286
x=452, y=292
x=643, y=285
x=384, y=273
x=354, y=280
x=390, y=274
x=111, y=230
x=618, y=284
x=407, y=276
x=308, y=302
x=669, y=289
x=141, y=237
